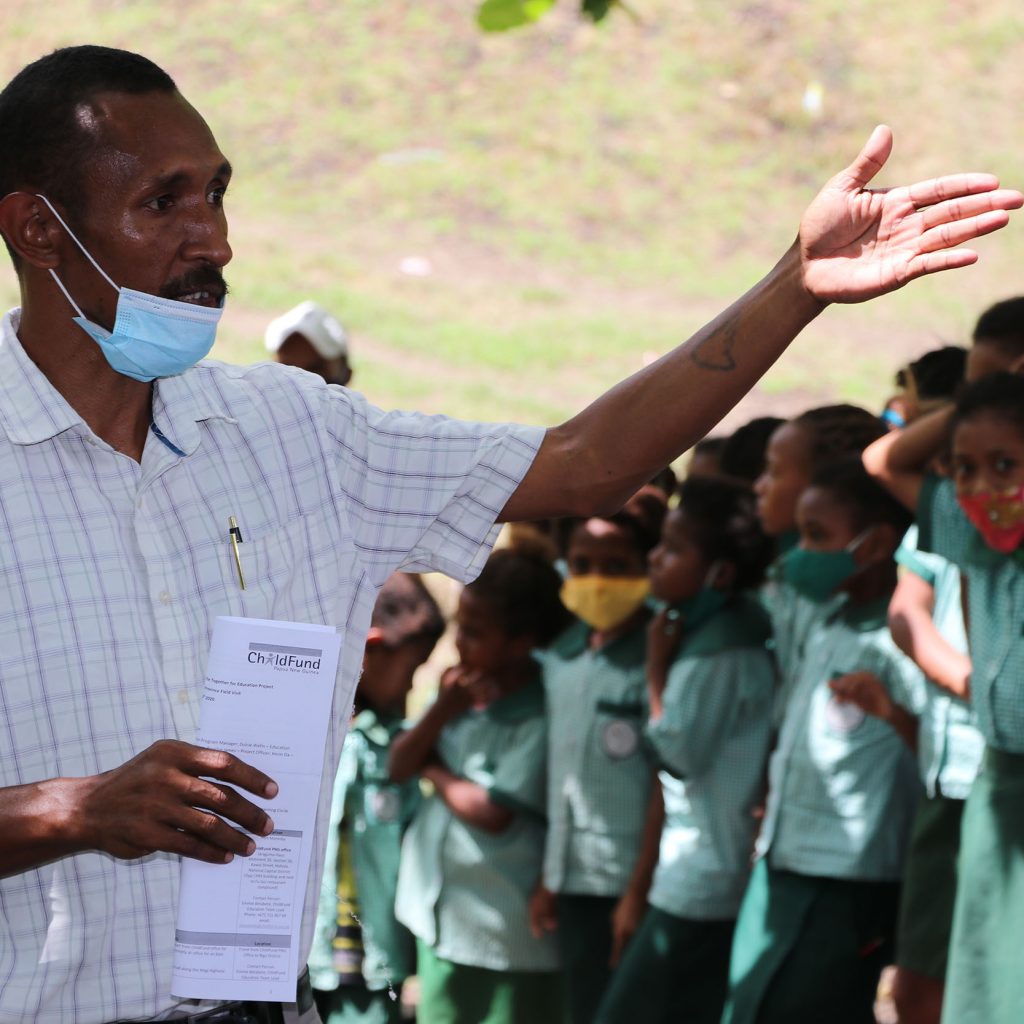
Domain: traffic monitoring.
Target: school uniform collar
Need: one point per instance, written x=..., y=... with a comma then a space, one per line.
x=576, y=638
x=526, y=702
x=864, y=618
x=377, y=728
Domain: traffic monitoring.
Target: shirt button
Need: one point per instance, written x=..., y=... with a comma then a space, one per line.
x=165, y=597
x=183, y=696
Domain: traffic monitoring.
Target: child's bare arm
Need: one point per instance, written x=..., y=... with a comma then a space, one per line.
x=468, y=801
x=414, y=748
x=915, y=633
x=868, y=692
x=899, y=461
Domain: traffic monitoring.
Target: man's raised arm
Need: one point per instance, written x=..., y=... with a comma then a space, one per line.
x=854, y=243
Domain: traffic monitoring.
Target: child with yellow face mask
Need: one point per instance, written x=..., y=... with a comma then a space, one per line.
x=600, y=774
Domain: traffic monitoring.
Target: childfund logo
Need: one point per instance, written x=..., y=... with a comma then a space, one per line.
x=288, y=658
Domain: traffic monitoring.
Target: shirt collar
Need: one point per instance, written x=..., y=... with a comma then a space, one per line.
x=33, y=410
x=864, y=618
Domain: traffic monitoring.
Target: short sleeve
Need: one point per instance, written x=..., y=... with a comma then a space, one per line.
x=519, y=776
x=422, y=493
x=901, y=676
x=699, y=706
x=942, y=526
x=920, y=563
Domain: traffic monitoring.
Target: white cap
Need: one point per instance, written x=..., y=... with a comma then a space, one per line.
x=314, y=323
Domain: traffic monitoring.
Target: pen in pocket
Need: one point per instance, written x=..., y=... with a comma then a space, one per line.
x=235, y=535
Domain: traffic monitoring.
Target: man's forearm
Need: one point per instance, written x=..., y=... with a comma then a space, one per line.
x=594, y=462
x=37, y=824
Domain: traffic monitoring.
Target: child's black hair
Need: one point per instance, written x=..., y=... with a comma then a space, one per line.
x=641, y=519
x=937, y=374
x=1002, y=325
x=836, y=431
x=742, y=455
x=723, y=515
x=856, y=490
x=522, y=587
x=1000, y=395
x=406, y=612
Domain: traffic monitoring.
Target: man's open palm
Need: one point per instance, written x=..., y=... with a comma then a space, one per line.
x=857, y=242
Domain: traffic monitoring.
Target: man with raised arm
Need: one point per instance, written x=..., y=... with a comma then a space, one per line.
x=123, y=457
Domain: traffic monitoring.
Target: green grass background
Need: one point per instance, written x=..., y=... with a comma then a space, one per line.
x=586, y=196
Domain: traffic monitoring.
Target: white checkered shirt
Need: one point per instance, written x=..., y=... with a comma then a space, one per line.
x=112, y=573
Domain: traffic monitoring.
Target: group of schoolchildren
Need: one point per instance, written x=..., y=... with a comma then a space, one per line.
x=721, y=756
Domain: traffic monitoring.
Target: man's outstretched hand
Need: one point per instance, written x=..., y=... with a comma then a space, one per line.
x=858, y=242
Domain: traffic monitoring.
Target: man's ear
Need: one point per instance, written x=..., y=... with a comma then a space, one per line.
x=32, y=231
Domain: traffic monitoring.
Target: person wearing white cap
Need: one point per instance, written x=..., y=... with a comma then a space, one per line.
x=310, y=338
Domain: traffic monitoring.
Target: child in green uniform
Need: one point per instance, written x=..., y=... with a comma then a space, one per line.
x=472, y=855
x=600, y=772
x=976, y=520
x=927, y=623
x=817, y=920
x=361, y=955
x=710, y=682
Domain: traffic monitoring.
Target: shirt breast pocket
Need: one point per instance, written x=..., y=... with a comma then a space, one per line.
x=294, y=573
x=618, y=728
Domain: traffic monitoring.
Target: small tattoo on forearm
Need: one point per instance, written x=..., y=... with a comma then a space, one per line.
x=716, y=351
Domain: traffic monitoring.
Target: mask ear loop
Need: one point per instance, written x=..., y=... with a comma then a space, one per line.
x=710, y=576
x=85, y=253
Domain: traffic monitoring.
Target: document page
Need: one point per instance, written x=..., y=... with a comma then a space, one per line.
x=267, y=700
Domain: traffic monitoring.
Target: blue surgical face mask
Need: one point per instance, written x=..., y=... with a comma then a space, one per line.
x=152, y=337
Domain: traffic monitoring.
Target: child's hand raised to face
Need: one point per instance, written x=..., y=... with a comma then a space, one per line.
x=462, y=688
x=663, y=635
x=866, y=691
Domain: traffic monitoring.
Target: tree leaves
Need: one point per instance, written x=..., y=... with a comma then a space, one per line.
x=502, y=15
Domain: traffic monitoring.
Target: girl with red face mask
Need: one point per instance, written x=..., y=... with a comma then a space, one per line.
x=976, y=520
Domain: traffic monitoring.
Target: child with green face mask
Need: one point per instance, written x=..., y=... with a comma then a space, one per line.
x=818, y=917
x=599, y=769
x=711, y=683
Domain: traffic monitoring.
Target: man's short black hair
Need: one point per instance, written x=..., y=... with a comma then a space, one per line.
x=45, y=145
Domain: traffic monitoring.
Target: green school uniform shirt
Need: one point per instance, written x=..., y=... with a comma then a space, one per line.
x=843, y=785
x=995, y=595
x=599, y=769
x=376, y=812
x=712, y=741
x=462, y=890
x=949, y=746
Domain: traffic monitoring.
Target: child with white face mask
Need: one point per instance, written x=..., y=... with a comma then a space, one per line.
x=818, y=918
x=600, y=772
x=710, y=682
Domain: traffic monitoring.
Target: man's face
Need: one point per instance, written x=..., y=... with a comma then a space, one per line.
x=153, y=215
